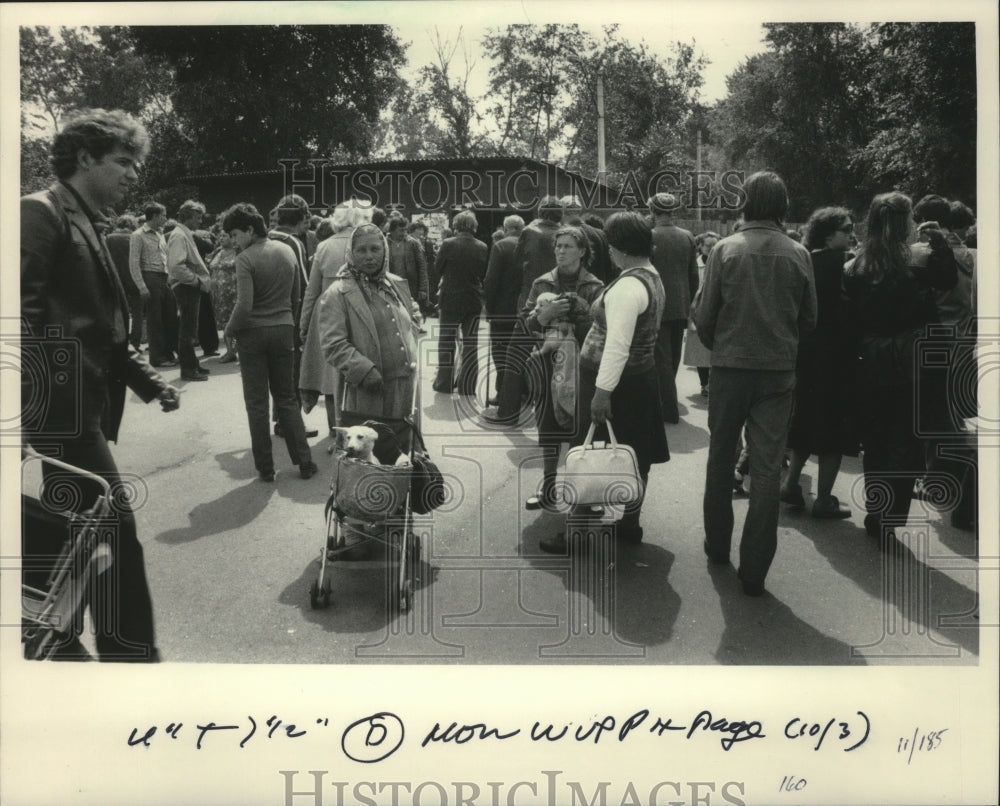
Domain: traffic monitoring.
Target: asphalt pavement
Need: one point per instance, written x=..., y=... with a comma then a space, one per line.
x=231, y=558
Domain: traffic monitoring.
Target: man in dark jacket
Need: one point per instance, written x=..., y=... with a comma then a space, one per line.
x=534, y=255
x=461, y=264
x=676, y=259
x=72, y=303
x=501, y=288
x=406, y=260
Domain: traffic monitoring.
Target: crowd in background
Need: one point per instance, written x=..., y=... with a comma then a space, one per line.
x=833, y=403
x=817, y=343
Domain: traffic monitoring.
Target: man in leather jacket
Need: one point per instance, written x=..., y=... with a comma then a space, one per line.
x=77, y=358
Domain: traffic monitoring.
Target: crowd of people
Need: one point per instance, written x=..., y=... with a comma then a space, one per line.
x=801, y=348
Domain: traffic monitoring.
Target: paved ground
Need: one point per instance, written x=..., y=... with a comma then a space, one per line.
x=231, y=559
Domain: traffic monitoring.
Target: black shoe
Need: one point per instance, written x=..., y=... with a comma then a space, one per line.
x=267, y=475
x=210, y=354
x=443, y=388
x=794, y=498
x=308, y=469
x=715, y=559
x=752, y=588
x=193, y=376
x=204, y=371
x=311, y=432
x=541, y=500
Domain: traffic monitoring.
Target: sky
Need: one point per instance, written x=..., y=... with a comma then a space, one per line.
x=726, y=45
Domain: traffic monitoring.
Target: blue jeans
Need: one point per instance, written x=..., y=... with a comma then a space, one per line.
x=763, y=400
x=266, y=359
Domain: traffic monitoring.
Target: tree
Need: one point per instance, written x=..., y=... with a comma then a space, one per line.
x=648, y=101
x=78, y=68
x=799, y=110
x=923, y=84
x=247, y=96
x=529, y=85
x=443, y=92
x=843, y=113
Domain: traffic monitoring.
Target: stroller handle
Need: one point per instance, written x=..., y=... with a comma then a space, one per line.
x=27, y=452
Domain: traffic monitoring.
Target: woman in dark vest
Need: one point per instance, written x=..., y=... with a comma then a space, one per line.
x=617, y=367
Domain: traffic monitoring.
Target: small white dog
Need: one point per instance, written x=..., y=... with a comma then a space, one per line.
x=358, y=442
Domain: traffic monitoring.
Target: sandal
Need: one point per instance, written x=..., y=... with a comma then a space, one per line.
x=540, y=501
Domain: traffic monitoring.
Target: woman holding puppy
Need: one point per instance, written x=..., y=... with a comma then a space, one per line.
x=569, y=277
x=368, y=327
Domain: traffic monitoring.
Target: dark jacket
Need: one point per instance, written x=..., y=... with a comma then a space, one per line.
x=461, y=265
x=676, y=260
x=119, y=244
x=503, y=279
x=414, y=269
x=535, y=254
x=74, y=322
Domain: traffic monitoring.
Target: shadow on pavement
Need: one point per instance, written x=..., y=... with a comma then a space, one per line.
x=915, y=596
x=363, y=583
x=621, y=599
x=763, y=631
x=236, y=508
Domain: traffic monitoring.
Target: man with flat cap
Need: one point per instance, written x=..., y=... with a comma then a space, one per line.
x=675, y=258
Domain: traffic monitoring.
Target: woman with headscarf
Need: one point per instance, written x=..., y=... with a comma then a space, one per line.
x=368, y=326
x=316, y=376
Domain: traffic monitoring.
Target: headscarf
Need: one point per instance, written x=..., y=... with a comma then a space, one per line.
x=381, y=276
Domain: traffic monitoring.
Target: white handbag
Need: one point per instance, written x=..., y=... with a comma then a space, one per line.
x=597, y=473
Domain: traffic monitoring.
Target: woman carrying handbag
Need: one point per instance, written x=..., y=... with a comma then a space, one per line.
x=617, y=367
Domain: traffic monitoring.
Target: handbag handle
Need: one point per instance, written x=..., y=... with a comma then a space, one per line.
x=588, y=441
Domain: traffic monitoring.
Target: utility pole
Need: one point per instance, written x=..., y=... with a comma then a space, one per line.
x=698, y=171
x=601, y=168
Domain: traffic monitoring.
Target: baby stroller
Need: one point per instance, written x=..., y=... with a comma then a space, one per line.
x=374, y=503
x=62, y=553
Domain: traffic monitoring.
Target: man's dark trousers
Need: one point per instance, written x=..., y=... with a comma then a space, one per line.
x=667, y=352
x=452, y=323
x=208, y=329
x=188, y=302
x=501, y=329
x=161, y=317
x=124, y=617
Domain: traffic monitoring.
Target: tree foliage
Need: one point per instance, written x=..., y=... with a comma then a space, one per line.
x=76, y=68
x=844, y=112
x=247, y=96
